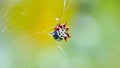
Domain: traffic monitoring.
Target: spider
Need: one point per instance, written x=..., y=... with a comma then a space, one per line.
x=61, y=32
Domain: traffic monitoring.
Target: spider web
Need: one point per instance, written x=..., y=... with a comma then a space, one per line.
x=4, y=24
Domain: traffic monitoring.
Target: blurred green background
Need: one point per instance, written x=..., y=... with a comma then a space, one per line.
x=94, y=27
